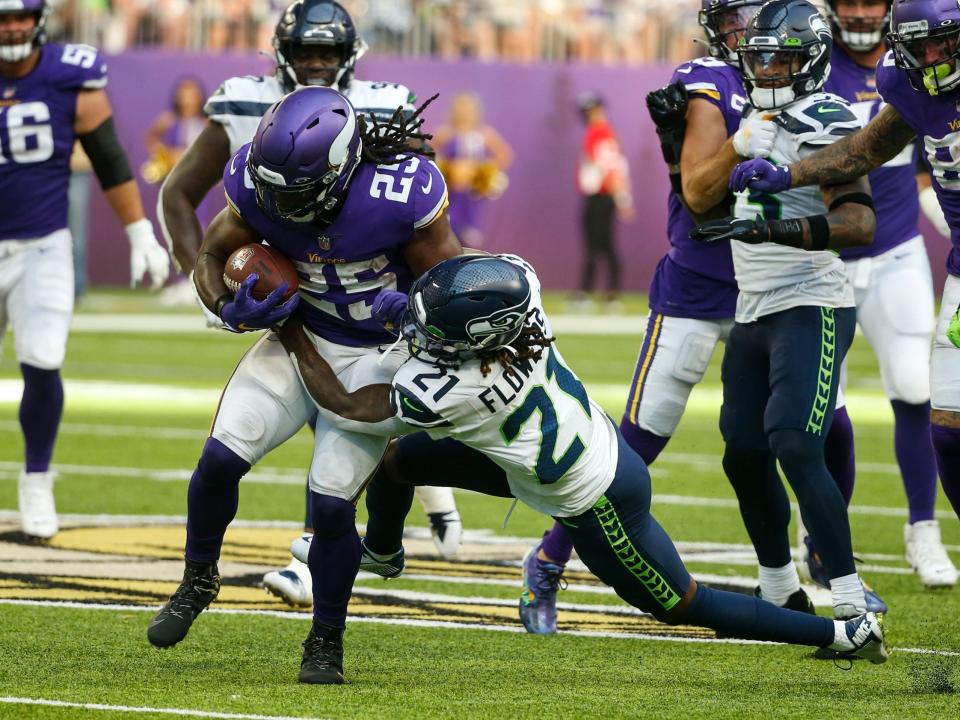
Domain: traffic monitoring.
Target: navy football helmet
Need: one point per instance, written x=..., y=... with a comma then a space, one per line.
x=312, y=25
x=303, y=155
x=723, y=22
x=17, y=47
x=464, y=306
x=785, y=53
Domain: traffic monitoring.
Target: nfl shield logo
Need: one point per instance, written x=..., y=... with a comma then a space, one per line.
x=8, y=92
x=324, y=242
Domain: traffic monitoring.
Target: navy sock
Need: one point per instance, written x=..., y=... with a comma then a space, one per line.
x=212, y=500
x=334, y=558
x=821, y=504
x=914, y=449
x=751, y=618
x=644, y=443
x=40, y=410
x=388, y=504
x=838, y=452
x=946, y=444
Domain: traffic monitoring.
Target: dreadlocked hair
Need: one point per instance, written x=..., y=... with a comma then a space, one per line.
x=528, y=345
x=387, y=142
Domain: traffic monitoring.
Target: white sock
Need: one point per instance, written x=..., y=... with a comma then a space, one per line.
x=436, y=499
x=778, y=584
x=848, y=590
x=840, y=639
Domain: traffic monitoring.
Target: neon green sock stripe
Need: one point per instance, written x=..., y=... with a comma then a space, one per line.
x=828, y=350
x=629, y=557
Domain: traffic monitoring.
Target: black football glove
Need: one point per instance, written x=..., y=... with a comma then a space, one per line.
x=668, y=106
x=749, y=231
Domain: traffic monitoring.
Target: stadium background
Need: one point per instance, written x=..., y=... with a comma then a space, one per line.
x=620, y=49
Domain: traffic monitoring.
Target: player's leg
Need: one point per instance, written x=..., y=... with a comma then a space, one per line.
x=945, y=397
x=261, y=407
x=751, y=467
x=622, y=543
x=39, y=303
x=807, y=345
x=897, y=318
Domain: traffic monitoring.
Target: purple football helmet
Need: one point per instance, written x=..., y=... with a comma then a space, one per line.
x=925, y=35
x=858, y=32
x=16, y=47
x=303, y=155
x=723, y=22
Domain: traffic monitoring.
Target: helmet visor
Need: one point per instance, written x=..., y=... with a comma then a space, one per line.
x=772, y=68
x=298, y=203
x=925, y=51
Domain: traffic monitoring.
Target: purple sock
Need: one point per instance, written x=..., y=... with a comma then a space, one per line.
x=946, y=445
x=557, y=544
x=334, y=558
x=212, y=500
x=644, y=443
x=40, y=410
x=838, y=453
x=914, y=449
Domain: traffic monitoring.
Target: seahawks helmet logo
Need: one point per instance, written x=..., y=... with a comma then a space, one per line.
x=499, y=322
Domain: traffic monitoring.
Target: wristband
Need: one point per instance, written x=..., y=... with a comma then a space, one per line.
x=786, y=232
x=819, y=232
x=221, y=301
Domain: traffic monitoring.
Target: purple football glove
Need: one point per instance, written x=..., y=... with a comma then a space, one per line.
x=760, y=175
x=388, y=307
x=245, y=313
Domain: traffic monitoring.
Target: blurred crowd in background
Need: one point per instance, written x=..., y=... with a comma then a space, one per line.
x=623, y=32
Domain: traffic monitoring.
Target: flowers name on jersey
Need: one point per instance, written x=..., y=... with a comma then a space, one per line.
x=343, y=265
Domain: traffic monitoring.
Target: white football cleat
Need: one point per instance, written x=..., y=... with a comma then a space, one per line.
x=863, y=638
x=38, y=514
x=293, y=584
x=446, y=529
x=926, y=554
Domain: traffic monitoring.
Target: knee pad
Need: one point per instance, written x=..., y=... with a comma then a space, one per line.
x=219, y=465
x=908, y=379
x=332, y=517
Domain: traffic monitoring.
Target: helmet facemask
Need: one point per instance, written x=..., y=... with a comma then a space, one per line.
x=930, y=57
x=17, y=46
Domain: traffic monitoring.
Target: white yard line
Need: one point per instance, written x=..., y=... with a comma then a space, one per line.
x=408, y=622
x=181, y=712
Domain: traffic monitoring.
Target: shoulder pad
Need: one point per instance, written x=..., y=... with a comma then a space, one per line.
x=821, y=120
x=80, y=66
x=246, y=95
x=410, y=408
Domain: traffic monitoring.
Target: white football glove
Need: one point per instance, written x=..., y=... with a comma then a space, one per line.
x=755, y=137
x=146, y=254
x=931, y=208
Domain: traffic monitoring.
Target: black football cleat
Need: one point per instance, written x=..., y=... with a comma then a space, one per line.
x=322, y=662
x=200, y=586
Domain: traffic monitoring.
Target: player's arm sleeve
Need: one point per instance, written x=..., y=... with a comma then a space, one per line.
x=429, y=194
x=108, y=159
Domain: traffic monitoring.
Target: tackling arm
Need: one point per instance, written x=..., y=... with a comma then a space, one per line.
x=370, y=404
x=431, y=244
x=197, y=171
x=707, y=158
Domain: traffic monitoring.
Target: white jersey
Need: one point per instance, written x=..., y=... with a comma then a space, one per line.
x=773, y=277
x=557, y=447
x=240, y=102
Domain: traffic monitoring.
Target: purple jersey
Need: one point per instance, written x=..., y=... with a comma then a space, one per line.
x=693, y=279
x=343, y=265
x=36, y=138
x=893, y=185
x=935, y=119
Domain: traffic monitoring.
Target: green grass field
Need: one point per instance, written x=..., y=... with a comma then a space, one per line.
x=443, y=640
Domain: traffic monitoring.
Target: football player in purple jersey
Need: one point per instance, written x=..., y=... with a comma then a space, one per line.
x=918, y=79
x=893, y=286
x=693, y=294
x=360, y=216
x=316, y=43
x=50, y=96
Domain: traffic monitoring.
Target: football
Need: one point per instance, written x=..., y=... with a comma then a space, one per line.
x=272, y=269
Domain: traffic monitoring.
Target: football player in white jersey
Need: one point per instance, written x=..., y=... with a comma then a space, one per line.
x=795, y=312
x=316, y=43
x=491, y=390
